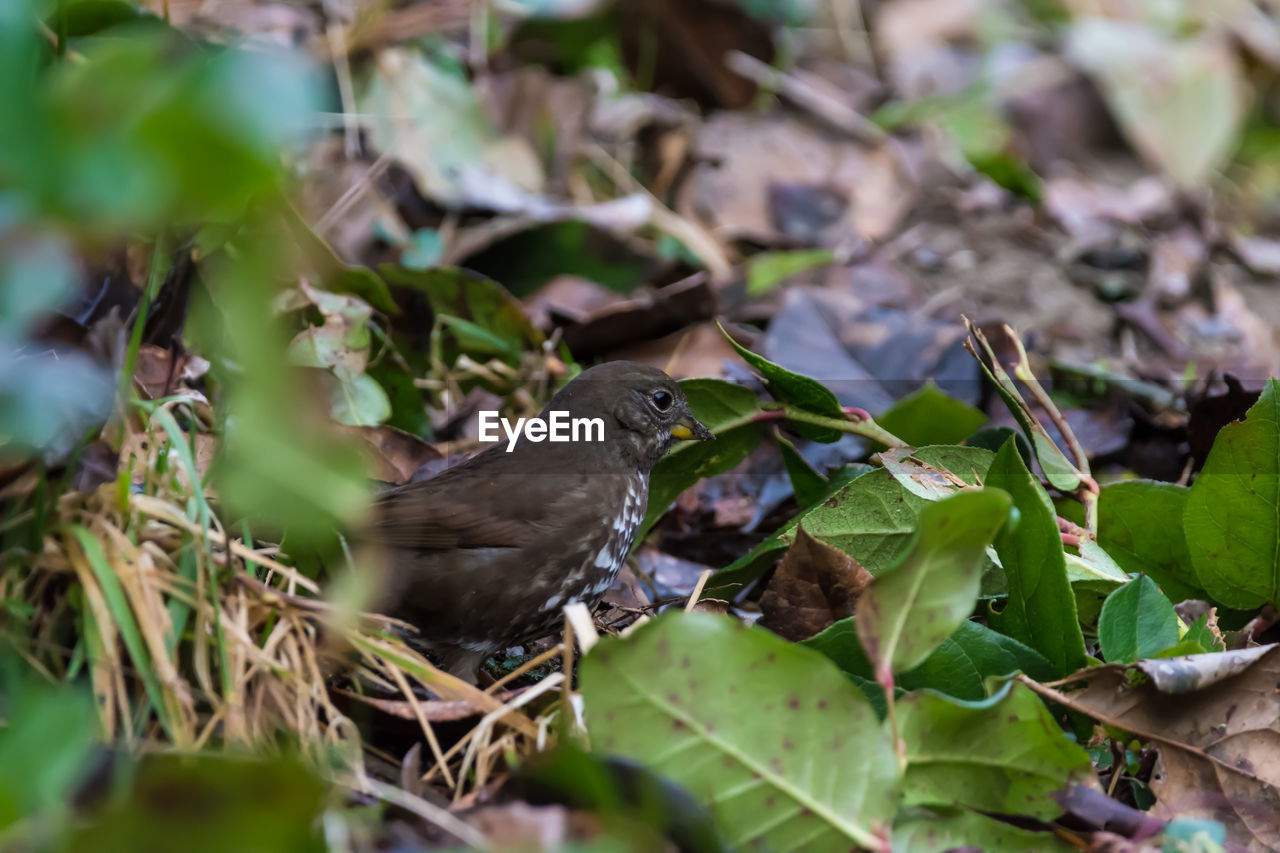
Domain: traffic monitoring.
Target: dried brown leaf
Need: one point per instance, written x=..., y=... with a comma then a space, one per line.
x=814, y=586
x=1219, y=744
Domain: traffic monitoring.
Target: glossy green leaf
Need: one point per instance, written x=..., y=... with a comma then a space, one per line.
x=959, y=666
x=798, y=390
x=930, y=416
x=993, y=438
x=1140, y=526
x=1137, y=622
x=1005, y=754
x=810, y=486
x=913, y=607
x=1040, y=610
x=809, y=768
x=1094, y=566
x=872, y=518
x=1232, y=529
x=729, y=411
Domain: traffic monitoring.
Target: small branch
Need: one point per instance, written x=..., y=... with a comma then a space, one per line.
x=1022, y=370
x=865, y=427
x=1070, y=527
x=1088, y=497
x=812, y=95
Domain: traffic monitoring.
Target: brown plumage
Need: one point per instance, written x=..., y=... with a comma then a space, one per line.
x=486, y=554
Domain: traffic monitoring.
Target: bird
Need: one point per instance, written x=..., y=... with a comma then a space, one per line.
x=486, y=554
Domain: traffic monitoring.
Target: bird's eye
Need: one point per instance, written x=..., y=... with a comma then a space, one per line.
x=662, y=400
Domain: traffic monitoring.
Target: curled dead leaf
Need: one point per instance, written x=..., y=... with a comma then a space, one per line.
x=1219, y=741
x=814, y=586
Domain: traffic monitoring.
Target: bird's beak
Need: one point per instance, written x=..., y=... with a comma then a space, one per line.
x=687, y=427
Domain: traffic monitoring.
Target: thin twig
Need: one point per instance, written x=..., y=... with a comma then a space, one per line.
x=807, y=95
x=697, y=589
x=428, y=811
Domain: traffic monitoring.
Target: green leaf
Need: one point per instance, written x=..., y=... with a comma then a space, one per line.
x=1040, y=610
x=810, y=486
x=913, y=607
x=1200, y=634
x=46, y=744
x=729, y=411
x=1137, y=622
x=213, y=803
x=336, y=275
x=924, y=831
x=471, y=302
x=619, y=792
x=810, y=767
x=930, y=416
x=797, y=390
x=1232, y=530
x=959, y=666
x=1140, y=526
x=359, y=400
x=767, y=270
x=118, y=604
x=1057, y=468
x=1005, y=754
x=929, y=481
x=1094, y=566
x=871, y=519
x=993, y=438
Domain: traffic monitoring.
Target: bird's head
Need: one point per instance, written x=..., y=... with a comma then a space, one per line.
x=643, y=409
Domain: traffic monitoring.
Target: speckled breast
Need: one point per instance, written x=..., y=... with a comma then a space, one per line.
x=603, y=556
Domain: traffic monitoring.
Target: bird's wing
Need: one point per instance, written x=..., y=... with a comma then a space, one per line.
x=487, y=502
x=449, y=512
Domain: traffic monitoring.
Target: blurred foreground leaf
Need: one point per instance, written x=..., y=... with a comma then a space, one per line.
x=213, y=804
x=672, y=695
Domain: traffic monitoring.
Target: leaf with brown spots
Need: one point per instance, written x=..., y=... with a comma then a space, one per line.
x=1003, y=755
x=815, y=586
x=784, y=748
